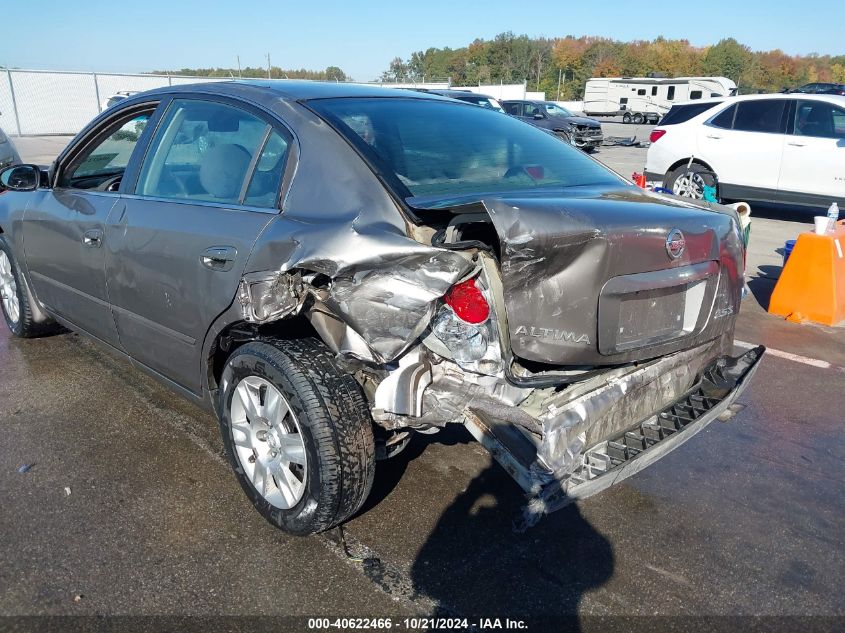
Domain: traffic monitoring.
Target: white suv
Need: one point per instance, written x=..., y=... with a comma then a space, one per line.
x=783, y=148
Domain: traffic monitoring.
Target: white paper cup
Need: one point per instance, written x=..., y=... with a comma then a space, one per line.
x=822, y=224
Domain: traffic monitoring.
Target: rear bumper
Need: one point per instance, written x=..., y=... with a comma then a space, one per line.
x=592, y=447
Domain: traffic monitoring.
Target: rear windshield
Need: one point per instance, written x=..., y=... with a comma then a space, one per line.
x=683, y=113
x=484, y=102
x=433, y=148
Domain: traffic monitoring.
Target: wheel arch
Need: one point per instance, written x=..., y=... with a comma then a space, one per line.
x=684, y=161
x=223, y=343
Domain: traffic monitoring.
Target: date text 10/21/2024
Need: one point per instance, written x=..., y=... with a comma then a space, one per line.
x=420, y=623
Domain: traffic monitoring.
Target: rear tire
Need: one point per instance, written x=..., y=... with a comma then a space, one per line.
x=322, y=468
x=689, y=182
x=626, y=118
x=15, y=300
x=638, y=118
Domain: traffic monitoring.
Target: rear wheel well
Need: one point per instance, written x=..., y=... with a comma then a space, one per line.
x=240, y=333
x=686, y=161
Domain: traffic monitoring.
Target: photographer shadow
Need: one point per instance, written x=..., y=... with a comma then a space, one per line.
x=474, y=565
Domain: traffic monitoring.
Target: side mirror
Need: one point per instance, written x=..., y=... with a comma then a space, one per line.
x=20, y=178
x=539, y=115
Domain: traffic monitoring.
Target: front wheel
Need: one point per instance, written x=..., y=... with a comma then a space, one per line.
x=298, y=434
x=626, y=118
x=15, y=299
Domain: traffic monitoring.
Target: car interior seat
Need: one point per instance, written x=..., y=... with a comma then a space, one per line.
x=222, y=170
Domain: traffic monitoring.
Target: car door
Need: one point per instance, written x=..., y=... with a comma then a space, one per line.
x=814, y=155
x=64, y=227
x=743, y=144
x=178, y=244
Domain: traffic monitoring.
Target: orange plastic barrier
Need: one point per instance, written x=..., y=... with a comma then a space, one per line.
x=812, y=284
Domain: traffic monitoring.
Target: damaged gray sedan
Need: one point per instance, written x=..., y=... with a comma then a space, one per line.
x=333, y=268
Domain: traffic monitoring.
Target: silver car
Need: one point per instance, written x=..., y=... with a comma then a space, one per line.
x=332, y=268
x=8, y=153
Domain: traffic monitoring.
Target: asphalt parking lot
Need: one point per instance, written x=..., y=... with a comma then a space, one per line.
x=128, y=507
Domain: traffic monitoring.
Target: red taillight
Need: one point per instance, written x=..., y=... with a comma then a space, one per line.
x=467, y=301
x=656, y=135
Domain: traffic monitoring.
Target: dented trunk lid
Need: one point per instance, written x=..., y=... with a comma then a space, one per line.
x=591, y=277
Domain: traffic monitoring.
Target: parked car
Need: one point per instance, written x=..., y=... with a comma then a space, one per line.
x=781, y=148
x=580, y=131
x=447, y=265
x=821, y=89
x=8, y=153
x=117, y=98
x=485, y=101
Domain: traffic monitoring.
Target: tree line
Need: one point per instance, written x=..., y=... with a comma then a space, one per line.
x=332, y=73
x=549, y=63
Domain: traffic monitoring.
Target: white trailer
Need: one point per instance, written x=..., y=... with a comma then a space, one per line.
x=647, y=99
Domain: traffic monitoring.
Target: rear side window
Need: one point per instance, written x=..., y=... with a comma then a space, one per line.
x=512, y=108
x=654, y=91
x=641, y=92
x=695, y=94
x=213, y=152
x=725, y=119
x=764, y=115
x=683, y=113
x=670, y=93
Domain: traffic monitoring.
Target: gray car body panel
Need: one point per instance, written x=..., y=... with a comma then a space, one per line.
x=361, y=265
x=338, y=219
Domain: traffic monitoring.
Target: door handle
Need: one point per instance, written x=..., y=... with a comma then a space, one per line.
x=219, y=258
x=93, y=238
x=713, y=136
x=794, y=144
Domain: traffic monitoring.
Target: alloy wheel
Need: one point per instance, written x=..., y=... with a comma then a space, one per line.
x=9, y=289
x=268, y=442
x=689, y=185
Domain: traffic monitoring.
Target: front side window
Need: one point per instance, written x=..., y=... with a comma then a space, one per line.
x=531, y=109
x=760, y=116
x=439, y=149
x=695, y=94
x=206, y=151
x=101, y=166
x=555, y=110
x=819, y=119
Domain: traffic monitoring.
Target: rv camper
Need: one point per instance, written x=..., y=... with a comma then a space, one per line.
x=647, y=99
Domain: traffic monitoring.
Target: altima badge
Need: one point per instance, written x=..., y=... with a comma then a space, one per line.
x=675, y=244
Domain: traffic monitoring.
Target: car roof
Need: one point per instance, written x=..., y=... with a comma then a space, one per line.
x=781, y=95
x=838, y=99
x=291, y=89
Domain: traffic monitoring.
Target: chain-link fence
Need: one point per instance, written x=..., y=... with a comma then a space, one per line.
x=54, y=102
x=42, y=102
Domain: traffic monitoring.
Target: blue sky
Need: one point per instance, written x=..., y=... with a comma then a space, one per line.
x=362, y=37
